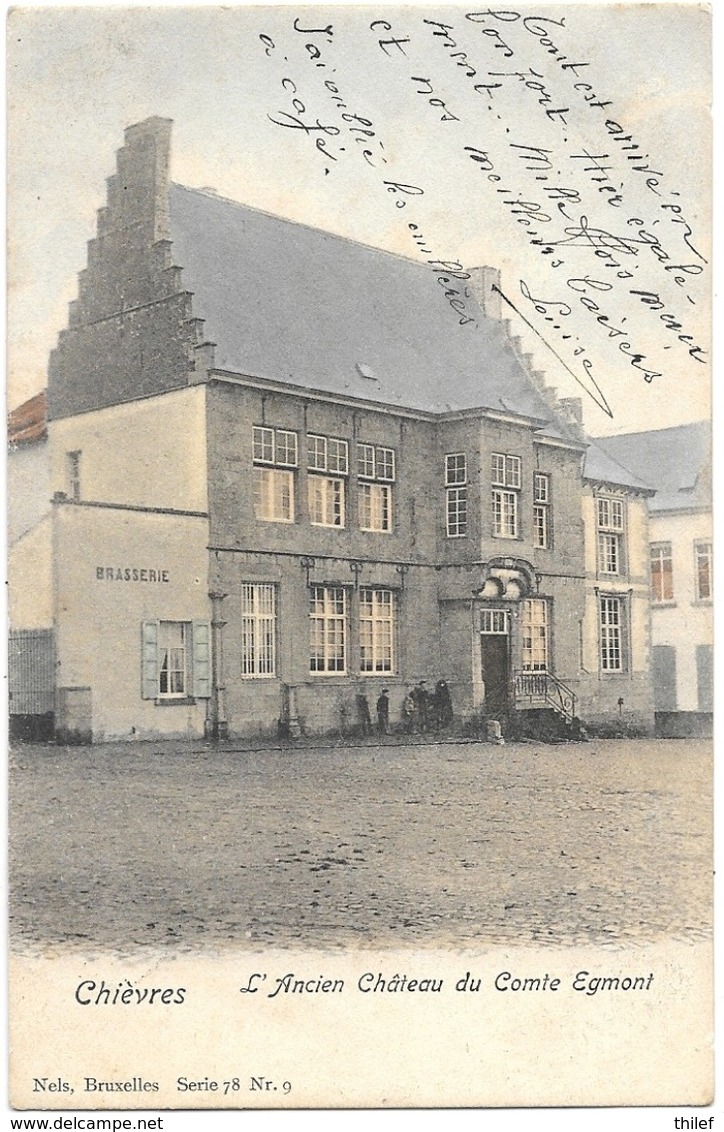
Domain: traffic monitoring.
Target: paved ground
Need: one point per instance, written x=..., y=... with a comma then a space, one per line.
x=195, y=846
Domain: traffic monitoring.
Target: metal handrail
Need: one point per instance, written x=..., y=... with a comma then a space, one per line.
x=542, y=685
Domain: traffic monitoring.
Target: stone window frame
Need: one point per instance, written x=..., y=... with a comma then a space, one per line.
x=259, y=630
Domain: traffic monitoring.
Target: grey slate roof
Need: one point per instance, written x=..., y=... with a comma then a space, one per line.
x=675, y=461
x=599, y=466
x=290, y=303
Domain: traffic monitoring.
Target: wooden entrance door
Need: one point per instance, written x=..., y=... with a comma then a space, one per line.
x=495, y=660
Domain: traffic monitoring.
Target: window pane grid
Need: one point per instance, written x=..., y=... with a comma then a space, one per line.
x=505, y=514
x=540, y=526
x=608, y=553
x=376, y=463
x=610, y=618
x=338, y=456
x=662, y=579
x=375, y=507
x=327, y=612
x=494, y=621
x=273, y=495
x=512, y=471
x=534, y=631
x=263, y=444
x=286, y=448
x=506, y=470
x=274, y=446
x=498, y=469
x=172, y=658
x=326, y=501
x=258, y=629
x=703, y=571
x=317, y=453
x=456, y=469
x=610, y=514
x=378, y=615
x=366, y=461
x=541, y=488
x=385, y=458
x=457, y=511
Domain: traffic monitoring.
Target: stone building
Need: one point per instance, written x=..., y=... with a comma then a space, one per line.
x=287, y=474
x=677, y=462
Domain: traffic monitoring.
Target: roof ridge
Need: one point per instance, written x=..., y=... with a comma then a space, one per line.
x=705, y=422
x=213, y=195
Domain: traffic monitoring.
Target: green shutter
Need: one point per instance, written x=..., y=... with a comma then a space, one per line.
x=202, y=659
x=149, y=660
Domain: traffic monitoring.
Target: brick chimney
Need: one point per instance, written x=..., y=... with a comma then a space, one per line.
x=482, y=281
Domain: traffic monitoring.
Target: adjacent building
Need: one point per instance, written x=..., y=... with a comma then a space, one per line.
x=677, y=463
x=286, y=474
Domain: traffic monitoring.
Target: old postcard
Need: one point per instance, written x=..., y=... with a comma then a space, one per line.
x=360, y=557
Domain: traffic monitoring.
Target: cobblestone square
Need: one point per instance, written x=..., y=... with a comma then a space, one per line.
x=197, y=847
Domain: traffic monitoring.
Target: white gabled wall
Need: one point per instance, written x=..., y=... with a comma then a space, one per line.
x=115, y=571
x=148, y=453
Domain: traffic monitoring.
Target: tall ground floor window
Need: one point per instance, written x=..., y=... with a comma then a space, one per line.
x=258, y=629
x=175, y=660
x=378, y=630
x=534, y=632
x=328, y=629
x=611, y=615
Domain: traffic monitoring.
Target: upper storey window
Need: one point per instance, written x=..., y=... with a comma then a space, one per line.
x=376, y=471
x=456, y=493
x=610, y=534
x=275, y=452
x=541, y=510
x=662, y=573
x=506, y=480
x=703, y=571
x=328, y=465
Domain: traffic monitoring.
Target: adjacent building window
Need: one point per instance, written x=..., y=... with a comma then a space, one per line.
x=73, y=465
x=506, y=474
x=703, y=552
x=609, y=521
x=328, y=629
x=275, y=451
x=662, y=575
x=456, y=480
x=611, y=633
x=258, y=629
x=378, y=630
x=376, y=470
x=175, y=660
x=534, y=634
x=541, y=510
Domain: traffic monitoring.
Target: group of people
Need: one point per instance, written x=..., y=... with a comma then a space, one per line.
x=422, y=710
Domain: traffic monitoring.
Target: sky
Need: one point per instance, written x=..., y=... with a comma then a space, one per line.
x=508, y=157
